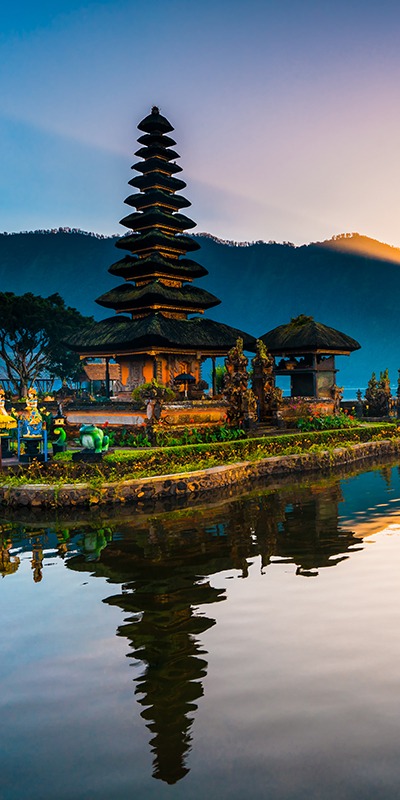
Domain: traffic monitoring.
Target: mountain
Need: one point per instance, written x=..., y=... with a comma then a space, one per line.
x=349, y=282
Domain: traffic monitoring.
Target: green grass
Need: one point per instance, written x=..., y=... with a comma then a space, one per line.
x=138, y=463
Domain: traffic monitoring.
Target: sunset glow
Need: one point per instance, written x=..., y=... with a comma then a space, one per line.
x=287, y=113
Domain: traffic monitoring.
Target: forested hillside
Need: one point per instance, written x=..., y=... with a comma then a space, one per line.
x=260, y=285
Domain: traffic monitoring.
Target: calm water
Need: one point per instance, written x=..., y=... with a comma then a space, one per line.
x=247, y=648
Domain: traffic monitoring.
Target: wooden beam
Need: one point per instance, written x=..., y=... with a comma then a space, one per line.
x=107, y=377
x=214, y=377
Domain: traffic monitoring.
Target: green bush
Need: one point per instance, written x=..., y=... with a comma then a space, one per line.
x=153, y=390
x=171, y=437
x=201, y=435
x=126, y=438
x=326, y=422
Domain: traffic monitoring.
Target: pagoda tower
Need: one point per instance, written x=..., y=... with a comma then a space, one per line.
x=159, y=340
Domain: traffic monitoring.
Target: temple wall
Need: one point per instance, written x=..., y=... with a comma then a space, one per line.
x=132, y=372
x=171, y=415
x=325, y=383
x=135, y=371
x=294, y=407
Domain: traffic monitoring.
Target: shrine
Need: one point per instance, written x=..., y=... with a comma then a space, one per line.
x=305, y=350
x=151, y=335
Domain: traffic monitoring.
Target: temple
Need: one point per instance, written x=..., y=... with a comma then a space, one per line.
x=158, y=340
x=307, y=351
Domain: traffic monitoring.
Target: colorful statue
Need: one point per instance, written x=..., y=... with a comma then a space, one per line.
x=6, y=421
x=93, y=438
x=60, y=442
x=32, y=422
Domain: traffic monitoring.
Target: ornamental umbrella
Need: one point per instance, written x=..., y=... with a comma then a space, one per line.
x=185, y=378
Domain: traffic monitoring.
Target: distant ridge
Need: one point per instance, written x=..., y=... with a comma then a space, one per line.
x=362, y=245
x=62, y=230
x=343, y=242
x=350, y=282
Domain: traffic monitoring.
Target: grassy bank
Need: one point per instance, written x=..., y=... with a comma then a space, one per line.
x=125, y=464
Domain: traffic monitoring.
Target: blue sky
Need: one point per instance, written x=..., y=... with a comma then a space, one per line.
x=286, y=114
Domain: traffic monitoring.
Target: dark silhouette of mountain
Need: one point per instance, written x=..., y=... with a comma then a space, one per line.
x=349, y=282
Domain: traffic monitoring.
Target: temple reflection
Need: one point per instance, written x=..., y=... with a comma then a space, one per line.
x=169, y=569
x=165, y=565
x=163, y=629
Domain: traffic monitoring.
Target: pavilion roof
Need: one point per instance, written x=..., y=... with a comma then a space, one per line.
x=158, y=241
x=156, y=164
x=158, y=198
x=157, y=149
x=134, y=268
x=149, y=139
x=119, y=335
x=157, y=180
x=157, y=217
x=155, y=123
x=304, y=335
x=128, y=297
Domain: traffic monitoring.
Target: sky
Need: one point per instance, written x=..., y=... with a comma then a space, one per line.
x=286, y=113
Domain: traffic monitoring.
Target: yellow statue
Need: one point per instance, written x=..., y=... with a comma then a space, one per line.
x=6, y=422
x=32, y=423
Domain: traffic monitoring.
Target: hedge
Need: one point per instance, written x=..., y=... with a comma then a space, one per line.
x=247, y=449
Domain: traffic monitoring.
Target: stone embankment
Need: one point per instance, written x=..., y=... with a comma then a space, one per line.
x=147, y=490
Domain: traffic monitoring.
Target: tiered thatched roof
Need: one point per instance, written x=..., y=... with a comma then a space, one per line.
x=158, y=292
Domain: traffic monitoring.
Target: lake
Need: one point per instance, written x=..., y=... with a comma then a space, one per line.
x=244, y=647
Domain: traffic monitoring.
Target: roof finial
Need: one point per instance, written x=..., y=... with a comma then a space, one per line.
x=155, y=110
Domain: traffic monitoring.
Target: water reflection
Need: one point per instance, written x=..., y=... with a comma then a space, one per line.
x=163, y=564
x=8, y=563
x=167, y=572
x=161, y=592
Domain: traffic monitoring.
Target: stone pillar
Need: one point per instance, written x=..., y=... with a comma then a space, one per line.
x=315, y=382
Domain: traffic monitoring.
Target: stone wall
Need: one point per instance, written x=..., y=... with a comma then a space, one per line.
x=186, y=413
x=193, y=484
x=294, y=407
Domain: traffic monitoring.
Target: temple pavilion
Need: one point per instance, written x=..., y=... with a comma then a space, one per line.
x=305, y=350
x=153, y=333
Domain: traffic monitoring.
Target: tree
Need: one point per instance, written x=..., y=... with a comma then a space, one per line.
x=220, y=372
x=32, y=331
x=378, y=395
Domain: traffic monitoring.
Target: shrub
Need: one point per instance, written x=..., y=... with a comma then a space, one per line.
x=128, y=438
x=153, y=390
x=204, y=434
x=325, y=422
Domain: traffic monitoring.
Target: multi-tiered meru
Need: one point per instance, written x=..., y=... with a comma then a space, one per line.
x=157, y=273
x=158, y=339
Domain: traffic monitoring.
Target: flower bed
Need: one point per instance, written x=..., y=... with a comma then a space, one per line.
x=293, y=409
